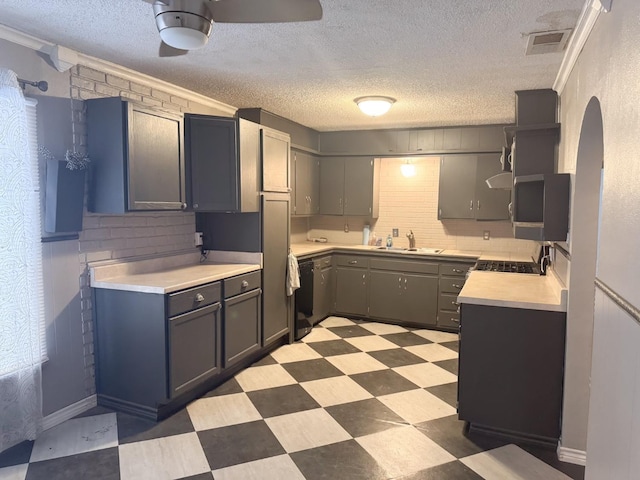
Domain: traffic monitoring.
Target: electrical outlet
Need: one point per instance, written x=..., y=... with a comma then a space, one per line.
x=346, y=228
x=486, y=234
x=198, y=238
x=395, y=232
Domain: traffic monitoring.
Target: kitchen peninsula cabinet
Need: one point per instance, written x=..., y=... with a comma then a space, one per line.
x=305, y=191
x=352, y=279
x=349, y=186
x=463, y=192
x=452, y=277
x=137, y=157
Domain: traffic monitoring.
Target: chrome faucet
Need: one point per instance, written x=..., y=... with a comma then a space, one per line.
x=412, y=240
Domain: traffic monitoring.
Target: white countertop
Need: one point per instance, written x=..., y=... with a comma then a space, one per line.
x=170, y=274
x=515, y=290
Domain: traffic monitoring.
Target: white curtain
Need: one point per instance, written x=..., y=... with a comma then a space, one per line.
x=21, y=311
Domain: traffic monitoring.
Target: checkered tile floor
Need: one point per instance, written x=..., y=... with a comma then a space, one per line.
x=352, y=400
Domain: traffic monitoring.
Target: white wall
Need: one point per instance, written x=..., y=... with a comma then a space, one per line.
x=609, y=68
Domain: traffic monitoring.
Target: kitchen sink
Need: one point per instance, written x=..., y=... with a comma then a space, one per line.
x=424, y=251
x=393, y=249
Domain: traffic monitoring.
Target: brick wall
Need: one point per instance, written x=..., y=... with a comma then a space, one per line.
x=107, y=237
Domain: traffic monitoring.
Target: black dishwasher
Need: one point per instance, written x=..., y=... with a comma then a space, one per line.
x=304, y=300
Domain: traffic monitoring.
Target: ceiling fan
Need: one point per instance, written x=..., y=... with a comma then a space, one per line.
x=186, y=24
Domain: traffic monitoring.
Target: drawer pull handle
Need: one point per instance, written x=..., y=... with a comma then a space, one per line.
x=457, y=270
x=199, y=297
x=353, y=262
x=456, y=285
x=244, y=284
x=456, y=320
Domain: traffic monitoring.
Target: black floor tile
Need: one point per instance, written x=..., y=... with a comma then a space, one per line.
x=447, y=471
x=396, y=357
x=455, y=345
x=200, y=476
x=344, y=460
x=365, y=417
x=449, y=433
x=349, y=331
x=241, y=443
x=16, y=455
x=266, y=360
x=272, y=402
x=406, y=339
x=449, y=365
x=103, y=464
x=330, y=348
x=383, y=382
x=447, y=392
x=227, y=388
x=133, y=429
x=308, y=370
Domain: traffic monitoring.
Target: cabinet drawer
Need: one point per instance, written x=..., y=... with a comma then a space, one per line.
x=242, y=283
x=451, y=285
x=455, y=269
x=324, y=262
x=201, y=296
x=352, y=261
x=446, y=301
x=449, y=319
x=404, y=266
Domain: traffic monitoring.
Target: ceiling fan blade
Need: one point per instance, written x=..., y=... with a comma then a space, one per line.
x=169, y=51
x=265, y=11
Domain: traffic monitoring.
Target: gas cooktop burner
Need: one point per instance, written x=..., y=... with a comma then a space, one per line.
x=507, y=266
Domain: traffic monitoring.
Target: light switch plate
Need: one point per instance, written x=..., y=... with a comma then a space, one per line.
x=198, y=238
x=395, y=232
x=486, y=234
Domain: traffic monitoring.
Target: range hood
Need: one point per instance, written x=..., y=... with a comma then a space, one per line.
x=501, y=181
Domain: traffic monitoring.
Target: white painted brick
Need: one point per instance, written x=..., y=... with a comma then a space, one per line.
x=142, y=89
x=179, y=101
x=117, y=82
x=88, y=95
x=159, y=94
x=107, y=90
x=172, y=106
x=83, y=83
x=113, y=243
x=91, y=73
x=94, y=234
x=113, y=221
x=98, y=256
x=152, y=101
x=131, y=96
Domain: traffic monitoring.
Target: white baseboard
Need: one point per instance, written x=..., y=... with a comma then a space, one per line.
x=570, y=455
x=68, y=412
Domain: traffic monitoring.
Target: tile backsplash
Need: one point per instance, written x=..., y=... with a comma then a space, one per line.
x=412, y=204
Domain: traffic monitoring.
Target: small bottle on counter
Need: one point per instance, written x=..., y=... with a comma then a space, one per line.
x=389, y=241
x=365, y=234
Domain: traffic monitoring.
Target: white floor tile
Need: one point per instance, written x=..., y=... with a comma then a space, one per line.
x=432, y=352
x=404, y=450
x=320, y=335
x=417, y=406
x=353, y=363
x=16, y=472
x=214, y=412
x=308, y=429
x=78, y=435
x=336, y=322
x=371, y=343
x=511, y=463
x=436, y=336
x=267, y=376
x=164, y=458
x=383, y=328
x=426, y=374
x=295, y=352
x=335, y=390
x=273, y=468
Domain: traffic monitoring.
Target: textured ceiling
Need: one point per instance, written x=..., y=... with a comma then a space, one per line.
x=447, y=62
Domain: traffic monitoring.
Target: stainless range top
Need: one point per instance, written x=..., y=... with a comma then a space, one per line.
x=507, y=266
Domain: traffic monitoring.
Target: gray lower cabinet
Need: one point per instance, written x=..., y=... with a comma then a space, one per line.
x=242, y=317
x=323, y=288
x=349, y=186
x=452, y=277
x=463, y=192
x=138, y=160
x=352, y=285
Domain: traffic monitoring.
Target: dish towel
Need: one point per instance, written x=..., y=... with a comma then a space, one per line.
x=293, y=274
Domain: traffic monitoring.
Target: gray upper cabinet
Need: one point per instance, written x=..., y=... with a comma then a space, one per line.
x=306, y=185
x=222, y=164
x=275, y=149
x=463, y=192
x=349, y=186
x=137, y=153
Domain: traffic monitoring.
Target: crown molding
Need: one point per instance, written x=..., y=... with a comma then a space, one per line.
x=39, y=45
x=587, y=20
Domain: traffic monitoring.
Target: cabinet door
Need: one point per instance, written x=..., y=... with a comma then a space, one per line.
x=275, y=161
x=351, y=291
x=305, y=183
x=194, y=346
x=319, y=294
x=420, y=299
x=329, y=286
x=212, y=160
x=385, y=299
x=156, y=178
x=314, y=193
x=457, y=187
x=294, y=184
x=241, y=326
x=358, y=186
x=491, y=203
x=331, y=185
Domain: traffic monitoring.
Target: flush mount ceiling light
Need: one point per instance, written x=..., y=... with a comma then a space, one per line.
x=375, y=106
x=184, y=30
x=408, y=169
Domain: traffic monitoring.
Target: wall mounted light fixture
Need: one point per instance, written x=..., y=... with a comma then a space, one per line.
x=408, y=169
x=374, y=106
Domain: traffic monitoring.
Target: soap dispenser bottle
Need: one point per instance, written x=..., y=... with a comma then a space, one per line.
x=389, y=241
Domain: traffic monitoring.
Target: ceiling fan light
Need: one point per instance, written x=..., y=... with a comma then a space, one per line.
x=184, y=38
x=374, y=106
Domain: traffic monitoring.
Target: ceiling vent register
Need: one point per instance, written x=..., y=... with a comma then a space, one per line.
x=547, y=42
